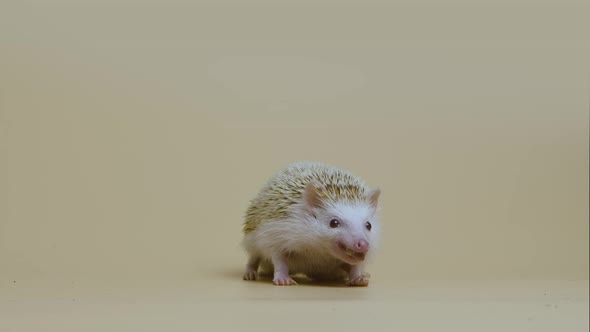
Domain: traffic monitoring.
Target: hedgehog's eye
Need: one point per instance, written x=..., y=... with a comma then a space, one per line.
x=334, y=223
x=368, y=226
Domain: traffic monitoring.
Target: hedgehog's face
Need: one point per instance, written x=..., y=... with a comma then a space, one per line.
x=348, y=229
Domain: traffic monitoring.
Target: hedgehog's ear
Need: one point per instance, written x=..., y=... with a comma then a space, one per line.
x=312, y=195
x=374, y=197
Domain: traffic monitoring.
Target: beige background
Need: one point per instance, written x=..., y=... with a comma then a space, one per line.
x=133, y=134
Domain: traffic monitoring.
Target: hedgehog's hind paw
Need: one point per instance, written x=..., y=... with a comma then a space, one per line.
x=250, y=274
x=252, y=268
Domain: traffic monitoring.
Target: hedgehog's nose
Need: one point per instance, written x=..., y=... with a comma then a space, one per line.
x=361, y=246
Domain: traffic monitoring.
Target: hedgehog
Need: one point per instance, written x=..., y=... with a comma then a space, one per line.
x=311, y=219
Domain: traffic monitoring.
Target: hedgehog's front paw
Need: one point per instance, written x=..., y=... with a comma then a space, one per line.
x=362, y=281
x=283, y=281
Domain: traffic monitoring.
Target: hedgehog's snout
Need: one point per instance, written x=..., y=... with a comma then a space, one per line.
x=358, y=251
x=361, y=246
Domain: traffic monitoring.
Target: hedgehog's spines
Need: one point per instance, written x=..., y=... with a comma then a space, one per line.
x=285, y=188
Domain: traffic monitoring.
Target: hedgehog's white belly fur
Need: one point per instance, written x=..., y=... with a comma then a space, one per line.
x=320, y=266
x=312, y=261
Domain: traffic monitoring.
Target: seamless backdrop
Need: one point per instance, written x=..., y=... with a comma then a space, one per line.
x=133, y=134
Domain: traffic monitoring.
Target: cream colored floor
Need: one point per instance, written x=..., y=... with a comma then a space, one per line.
x=133, y=134
x=223, y=302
